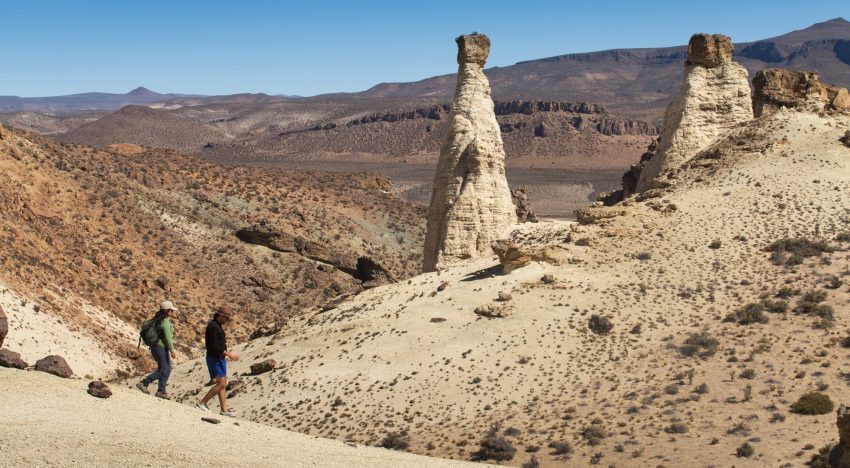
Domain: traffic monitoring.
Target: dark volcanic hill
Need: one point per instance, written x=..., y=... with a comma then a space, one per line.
x=640, y=81
x=82, y=102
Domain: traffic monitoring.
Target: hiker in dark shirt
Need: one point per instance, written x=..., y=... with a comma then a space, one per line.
x=217, y=355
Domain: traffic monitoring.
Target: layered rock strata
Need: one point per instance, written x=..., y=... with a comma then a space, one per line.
x=713, y=98
x=777, y=87
x=471, y=203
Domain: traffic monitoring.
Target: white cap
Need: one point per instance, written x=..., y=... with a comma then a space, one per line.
x=167, y=305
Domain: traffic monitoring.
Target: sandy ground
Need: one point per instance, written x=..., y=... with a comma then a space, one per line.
x=35, y=333
x=47, y=421
x=664, y=268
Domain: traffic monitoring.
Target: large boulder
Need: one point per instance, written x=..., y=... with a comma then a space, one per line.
x=55, y=365
x=4, y=326
x=11, y=359
x=709, y=50
x=713, y=98
x=512, y=255
x=471, y=203
x=776, y=88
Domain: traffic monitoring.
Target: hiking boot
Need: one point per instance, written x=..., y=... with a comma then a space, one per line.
x=229, y=413
x=162, y=395
x=142, y=387
x=202, y=406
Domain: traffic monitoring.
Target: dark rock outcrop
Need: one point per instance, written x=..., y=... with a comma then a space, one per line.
x=55, y=365
x=4, y=326
x=523, y=206
x=531, y=107
x=839, y=457
x=632, y=176
x=262, y=367
x=709, y=50
x=599, y=324
x=99, y=389
x=11, y=359
x=371, y=273
x=845, y=139
x=778, y=87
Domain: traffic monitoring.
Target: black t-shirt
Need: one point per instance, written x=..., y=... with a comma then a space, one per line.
x=215, y=340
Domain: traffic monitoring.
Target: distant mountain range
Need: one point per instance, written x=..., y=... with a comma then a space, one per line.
x=629, y=82
x=640, y=81
x=83, y=102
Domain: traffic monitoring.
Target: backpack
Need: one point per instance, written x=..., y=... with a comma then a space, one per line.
x=149, y=334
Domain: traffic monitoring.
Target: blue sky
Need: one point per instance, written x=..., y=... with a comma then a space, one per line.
x=216, y=47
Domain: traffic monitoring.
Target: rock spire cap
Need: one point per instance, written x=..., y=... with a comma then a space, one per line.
x=472, y=48
x=709, y=50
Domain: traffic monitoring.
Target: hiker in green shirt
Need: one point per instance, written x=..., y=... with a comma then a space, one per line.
x=163, y=351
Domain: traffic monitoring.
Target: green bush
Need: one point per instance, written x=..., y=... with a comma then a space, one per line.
x=747, y=315
x=774, y=307
x=793, y=251
x=700, y=344
x=395, y=441
x=785, y=292
x=813, y=403
x=494, y=447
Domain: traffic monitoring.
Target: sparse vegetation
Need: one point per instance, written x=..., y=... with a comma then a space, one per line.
x=700, y=344
x=494, y=447
x=395, y=441
x=793, y=251
x=747, y=315
x=813, y=403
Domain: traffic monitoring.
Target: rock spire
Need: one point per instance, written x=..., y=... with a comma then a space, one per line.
x=713, y=98
x=471, y=203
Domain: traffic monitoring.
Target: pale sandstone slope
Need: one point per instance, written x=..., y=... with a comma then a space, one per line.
x=47, y=421
x=669, y=262
x=713, y=98
x=471, y=203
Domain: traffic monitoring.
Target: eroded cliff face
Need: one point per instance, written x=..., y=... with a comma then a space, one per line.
x=777, y=87
x=713, y=98
x=471, y=203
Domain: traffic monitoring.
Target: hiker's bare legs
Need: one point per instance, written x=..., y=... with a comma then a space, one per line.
x=222, y=393
x=220, y=388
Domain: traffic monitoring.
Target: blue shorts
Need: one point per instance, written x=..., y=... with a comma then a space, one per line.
x=217, y=367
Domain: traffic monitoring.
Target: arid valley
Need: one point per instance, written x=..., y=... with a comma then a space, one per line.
x=631, y=257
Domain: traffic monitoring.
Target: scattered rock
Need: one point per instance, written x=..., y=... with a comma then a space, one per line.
x=845, y=139
x=163, y=283
x=11, y=359
x=512, y=255
x=839, y=457
x=713, y=98
x=268, y=329
x=548, y=279
x=597, y=214
x=437, y=319
x=99, y=389
x=523, y=206
x=495, y=311
x=263, y=367
x=471, y=203
x=55, y=365
x=442, y=287
x=4, y=326
x=211, y=420
x=599, y=324
x=504, y=296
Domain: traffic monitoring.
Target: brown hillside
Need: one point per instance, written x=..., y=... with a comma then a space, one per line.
x=94, y=239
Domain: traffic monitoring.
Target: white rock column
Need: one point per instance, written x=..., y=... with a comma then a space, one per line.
x=471, y=203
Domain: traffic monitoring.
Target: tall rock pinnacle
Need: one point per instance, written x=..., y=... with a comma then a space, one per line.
x=713, y=98
x=471, y=203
